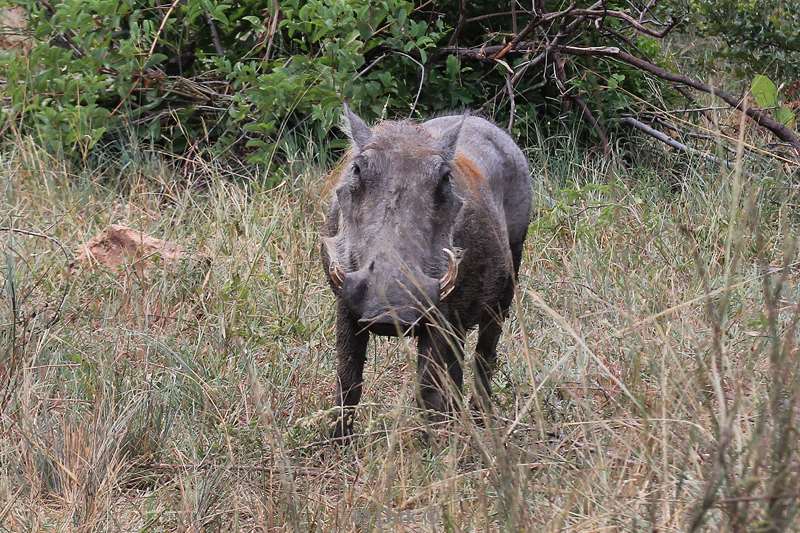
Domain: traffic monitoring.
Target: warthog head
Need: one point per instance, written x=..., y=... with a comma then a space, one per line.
x=392, y=259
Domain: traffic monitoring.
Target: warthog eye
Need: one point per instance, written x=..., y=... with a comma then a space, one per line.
x=444, y=173
x=443, y=187
x=355, y=182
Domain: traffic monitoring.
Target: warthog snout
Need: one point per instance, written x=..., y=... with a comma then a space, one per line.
x=388, y=300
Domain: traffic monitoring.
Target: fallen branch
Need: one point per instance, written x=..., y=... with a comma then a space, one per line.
x=666, y=139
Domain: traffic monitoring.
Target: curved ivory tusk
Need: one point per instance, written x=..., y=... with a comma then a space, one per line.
x=334, y=268
x=448, y=282
x=337, y=275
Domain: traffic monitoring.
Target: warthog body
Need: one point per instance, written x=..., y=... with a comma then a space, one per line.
x=424, y=237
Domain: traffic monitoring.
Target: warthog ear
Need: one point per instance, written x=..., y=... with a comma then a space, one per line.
x=449, y=139
x=355, y=128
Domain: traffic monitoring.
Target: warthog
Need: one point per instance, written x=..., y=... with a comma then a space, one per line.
x=424, y=237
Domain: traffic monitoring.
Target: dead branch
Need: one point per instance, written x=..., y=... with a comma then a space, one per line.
x=586, y=113
x=462, y=20
x=632, y=22
x=479, y=18
x=588, y=116
x=666, y=139
x=760, y=116
x=569, y=21
x=533, y=24
x=214, y=35
x=512, y=112
x=273, y=27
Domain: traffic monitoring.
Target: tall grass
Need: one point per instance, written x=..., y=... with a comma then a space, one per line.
x=648, y=377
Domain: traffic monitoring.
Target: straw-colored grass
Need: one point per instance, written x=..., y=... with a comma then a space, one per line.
x=648, y=375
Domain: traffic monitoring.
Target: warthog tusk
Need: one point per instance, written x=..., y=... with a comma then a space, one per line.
x=337, y=275
x=448, y=281
x=334, y=268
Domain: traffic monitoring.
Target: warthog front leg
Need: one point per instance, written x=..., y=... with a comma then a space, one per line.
x=489, y=333
x=351, y=350
x=439, y=371
x=490, y=329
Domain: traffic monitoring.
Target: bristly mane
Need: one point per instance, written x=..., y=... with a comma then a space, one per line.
x=403, y=135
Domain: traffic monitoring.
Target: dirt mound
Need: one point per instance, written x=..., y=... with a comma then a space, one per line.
x=119, y=246
x=13, y=30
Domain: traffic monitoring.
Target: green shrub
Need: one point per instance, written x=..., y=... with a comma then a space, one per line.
x=240, y=78
x=108, y=68
x=761, y=36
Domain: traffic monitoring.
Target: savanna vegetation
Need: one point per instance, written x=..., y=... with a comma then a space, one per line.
x=649, y=375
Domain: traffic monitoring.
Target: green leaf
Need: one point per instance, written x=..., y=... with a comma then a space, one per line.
x=764, y=91
x=785, y=116
x=155, y=59
x=453, y=67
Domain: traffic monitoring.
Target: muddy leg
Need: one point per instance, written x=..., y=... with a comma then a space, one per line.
x=351, y=351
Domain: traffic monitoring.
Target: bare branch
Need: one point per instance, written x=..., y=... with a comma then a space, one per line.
x=533, y=24
x=273, y=27
x=621, y=15
x=407, y=56
x=462, y=19
x=666, y=139
x=586, y=113
x=214, y=35
x=478, y=18
x=760, y=116
x=512, y=112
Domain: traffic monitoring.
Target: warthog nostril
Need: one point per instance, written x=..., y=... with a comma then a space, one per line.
x=372, y=266
x=355, y=288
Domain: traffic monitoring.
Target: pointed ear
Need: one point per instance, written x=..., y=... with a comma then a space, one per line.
x=355, y=128
x=449, y=139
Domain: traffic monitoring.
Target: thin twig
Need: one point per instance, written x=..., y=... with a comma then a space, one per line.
x=533, y=24
x=273, y=27
x=160, y=29
x=214, y=35
x=462, y=20
x=586, y=113
x=621, y=15
x=513, y=105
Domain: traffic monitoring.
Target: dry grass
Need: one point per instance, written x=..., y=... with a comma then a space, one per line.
x=648, y=380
